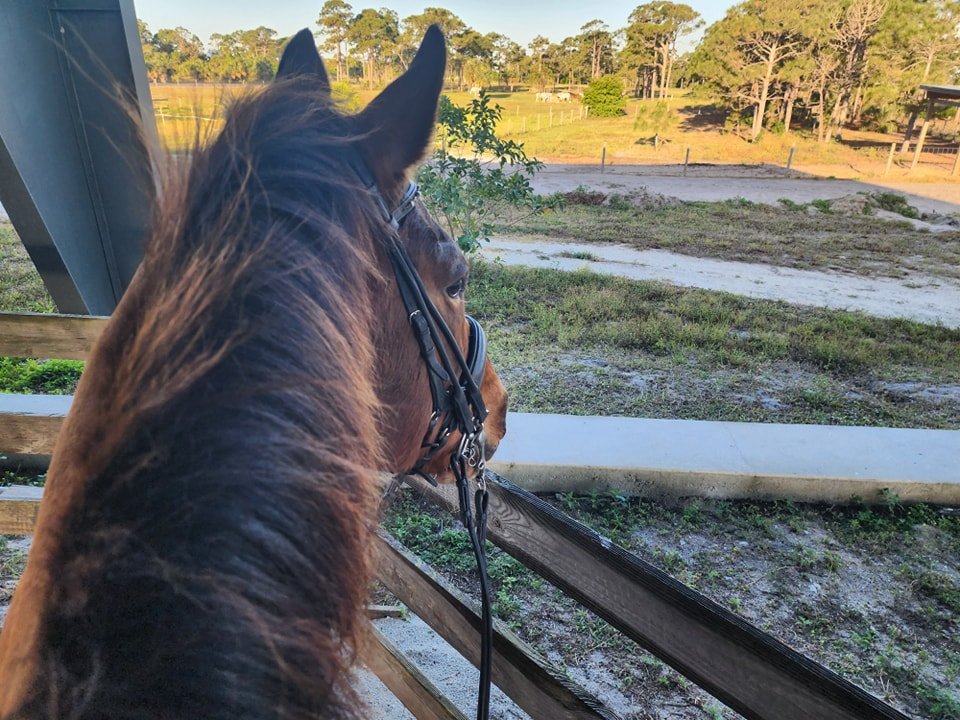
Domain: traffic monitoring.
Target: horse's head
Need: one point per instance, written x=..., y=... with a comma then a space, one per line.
x=389, y=138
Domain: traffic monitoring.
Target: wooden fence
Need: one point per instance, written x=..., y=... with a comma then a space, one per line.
x=745, y=668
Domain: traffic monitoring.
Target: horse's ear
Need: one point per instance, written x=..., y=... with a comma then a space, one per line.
x=301, y=59
x=399, y=121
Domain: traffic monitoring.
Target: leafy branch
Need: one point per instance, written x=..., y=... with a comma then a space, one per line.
x=475, y=175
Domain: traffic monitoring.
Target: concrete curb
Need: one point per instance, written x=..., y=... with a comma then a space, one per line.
x=677, y=458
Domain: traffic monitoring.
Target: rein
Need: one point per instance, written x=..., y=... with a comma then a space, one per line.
x=457, y=406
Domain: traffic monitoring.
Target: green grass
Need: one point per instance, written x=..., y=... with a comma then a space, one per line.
x=753, y=232
x=45, y=377
x=582, y=343
x=583, y=309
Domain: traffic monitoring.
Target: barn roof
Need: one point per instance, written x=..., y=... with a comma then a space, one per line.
x=942, y=91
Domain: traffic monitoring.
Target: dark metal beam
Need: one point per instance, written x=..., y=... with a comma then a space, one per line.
x=75, y=176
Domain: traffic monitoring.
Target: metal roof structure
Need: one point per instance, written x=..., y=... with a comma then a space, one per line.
x=75, y=175
x=934, y=95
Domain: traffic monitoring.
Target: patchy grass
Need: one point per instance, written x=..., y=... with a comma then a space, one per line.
x=578, y=255
x=20, y=286
x=753, y=232
x=582, y=343
x=851, y=587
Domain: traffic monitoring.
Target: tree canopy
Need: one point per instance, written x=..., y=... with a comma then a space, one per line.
x=772, y=64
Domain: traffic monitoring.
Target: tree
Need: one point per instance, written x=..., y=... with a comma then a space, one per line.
x=507, y=58
x=374, y=33
x=597, y=43
x=851, y=36
x=415, y=26
x=915, y=43
x=334, y=23
x=743, y=53
x=651, y=41
x=176, y=54
x=244, y=55
x=604, y=96
x=538, y=49
x=468, y=45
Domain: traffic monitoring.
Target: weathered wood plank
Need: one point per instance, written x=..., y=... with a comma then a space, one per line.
x=750, y=671
x=375, y=612
x=517, y=669
x=28, y=434
x=39, y=335
x=18, y=509
x=410, y=686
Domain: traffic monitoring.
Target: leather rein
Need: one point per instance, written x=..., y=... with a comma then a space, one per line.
x=454, y=381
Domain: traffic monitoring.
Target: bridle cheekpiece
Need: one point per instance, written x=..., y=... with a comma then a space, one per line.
x=454, y=381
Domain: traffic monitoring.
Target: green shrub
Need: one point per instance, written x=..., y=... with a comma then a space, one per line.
x=604, y=96
x=476, y=175
x=894, y=202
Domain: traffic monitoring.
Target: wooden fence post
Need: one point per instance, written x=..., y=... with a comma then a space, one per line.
x=893, y=151
x=603, y=157
x=923, y=135
x=686, y=160
x=793, y=149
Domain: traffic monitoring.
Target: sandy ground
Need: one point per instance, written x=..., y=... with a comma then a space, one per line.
x=921, y=298
x=764, y=184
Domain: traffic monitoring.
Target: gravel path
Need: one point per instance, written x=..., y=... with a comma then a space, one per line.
x=765, y=184
x=921, y=298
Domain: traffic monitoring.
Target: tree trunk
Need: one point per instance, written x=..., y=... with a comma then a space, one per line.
x=855, y=116
x=788, y=109
x=835, y=119
x=669, y=69
x=764, y=94
x=821, y=111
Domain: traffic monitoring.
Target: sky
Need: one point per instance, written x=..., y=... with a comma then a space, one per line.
x=520, y=20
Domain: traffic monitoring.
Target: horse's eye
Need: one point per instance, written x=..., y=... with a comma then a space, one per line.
x=457, y=289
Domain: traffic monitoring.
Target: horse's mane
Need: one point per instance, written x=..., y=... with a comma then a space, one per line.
x=224, y=429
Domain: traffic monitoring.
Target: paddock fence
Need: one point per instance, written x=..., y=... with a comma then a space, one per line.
x=745, y=668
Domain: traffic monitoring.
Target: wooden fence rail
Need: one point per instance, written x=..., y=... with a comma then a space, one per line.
x=744, y=667
x=518, y=670
x=753, y=673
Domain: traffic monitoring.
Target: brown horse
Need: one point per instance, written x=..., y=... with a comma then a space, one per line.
x=202, y=547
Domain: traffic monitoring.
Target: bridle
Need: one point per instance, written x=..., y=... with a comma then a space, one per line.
x=457, y=403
